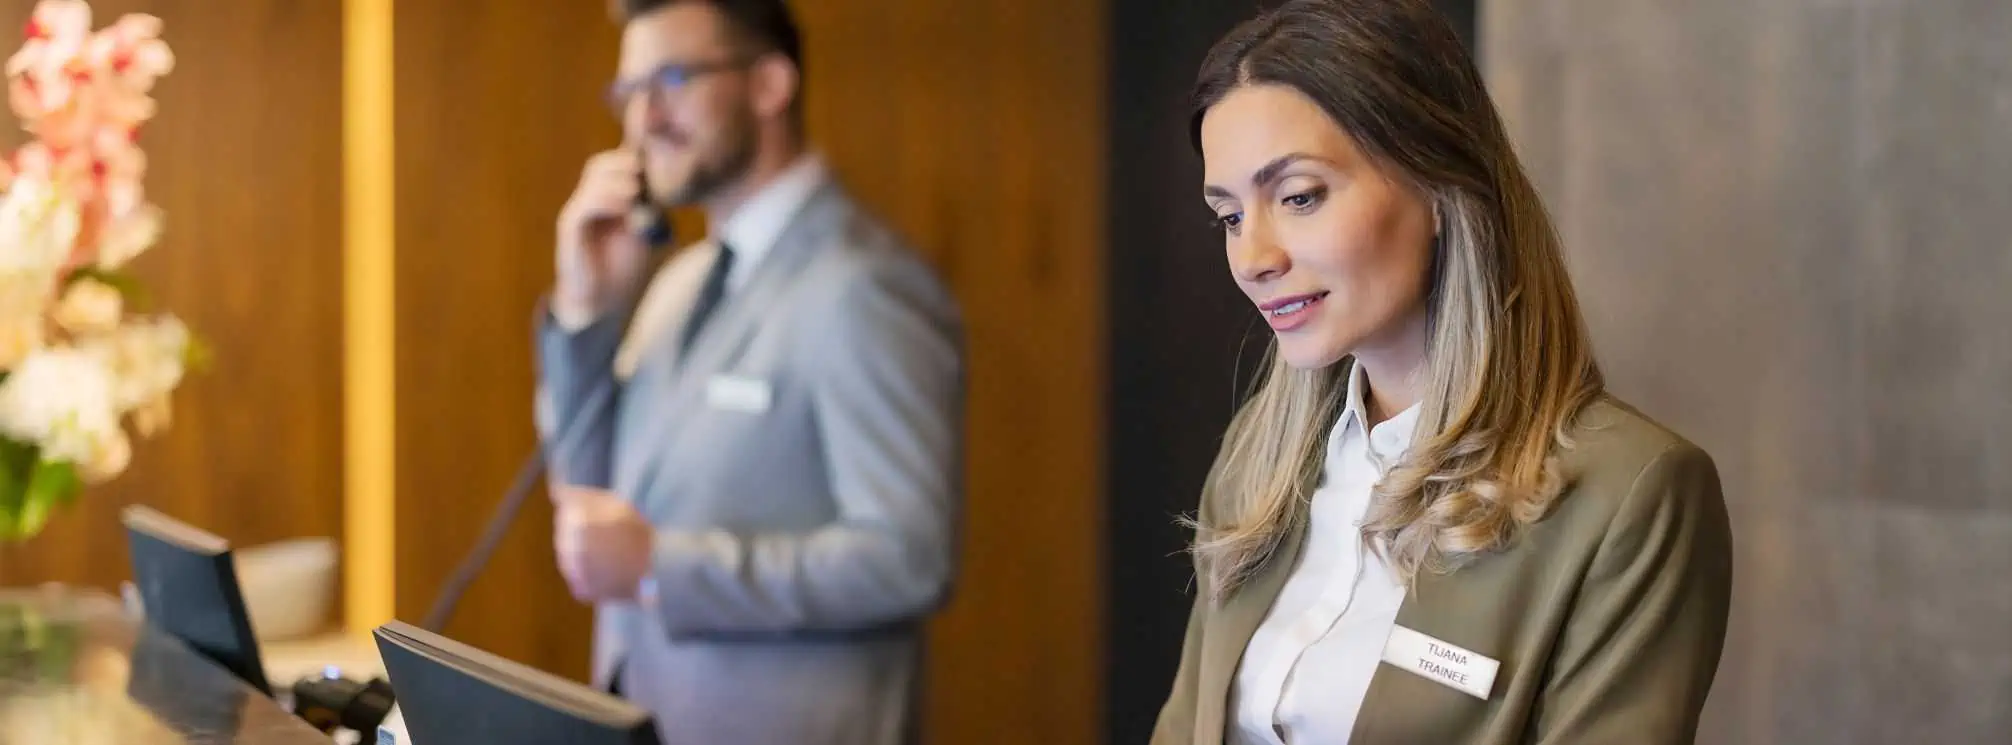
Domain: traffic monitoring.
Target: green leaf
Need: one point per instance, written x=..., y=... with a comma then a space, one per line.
x=31, y=490
x=129, y=286
x=33, y=516
x=19, y=456
x=58, y=481
x=11, y=498
x=197, y=356
x=50, y=485
x=16, y=461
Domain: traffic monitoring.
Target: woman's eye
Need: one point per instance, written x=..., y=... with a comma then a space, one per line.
x=1303, y=201
x=1229, y=222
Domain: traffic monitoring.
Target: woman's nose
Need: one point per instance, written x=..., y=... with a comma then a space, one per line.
x=1256, y=255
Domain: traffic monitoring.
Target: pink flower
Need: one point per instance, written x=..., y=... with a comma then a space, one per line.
x=72, y=360
x=41, y=161
x=119, y=167
x=132, y=52
x=47, y=68
x=60, y=20
x=84, y=95
x=67, y=79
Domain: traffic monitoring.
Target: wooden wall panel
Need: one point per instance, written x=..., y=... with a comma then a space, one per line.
x=1788, y=223
x=977, y=128
x=497, y=105
x=245, y=158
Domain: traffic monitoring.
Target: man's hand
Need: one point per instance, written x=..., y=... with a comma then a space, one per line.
x=599, y=254
x=603, y=544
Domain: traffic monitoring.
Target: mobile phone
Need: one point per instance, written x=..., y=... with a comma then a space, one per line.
x=651, y=225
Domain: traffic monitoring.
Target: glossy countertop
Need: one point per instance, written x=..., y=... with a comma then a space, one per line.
x=75, y=669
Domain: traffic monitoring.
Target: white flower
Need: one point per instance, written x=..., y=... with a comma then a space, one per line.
x=20, y=336
x=129, y=236
x=89, y=308
x=112, y=457
x=145, y=359
x=61, y=399
x=153, y=416
x=38, y=228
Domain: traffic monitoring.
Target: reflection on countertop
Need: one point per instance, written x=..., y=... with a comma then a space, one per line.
x=75, y=668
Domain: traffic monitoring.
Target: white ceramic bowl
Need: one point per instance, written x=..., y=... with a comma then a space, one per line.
x=289, y=586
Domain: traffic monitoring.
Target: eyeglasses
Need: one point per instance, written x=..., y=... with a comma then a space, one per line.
x=664, y=80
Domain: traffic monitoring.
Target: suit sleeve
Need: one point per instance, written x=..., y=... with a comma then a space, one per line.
x=887, y=394
x=1639, y=652
x=1176, y=725
x=575, y=397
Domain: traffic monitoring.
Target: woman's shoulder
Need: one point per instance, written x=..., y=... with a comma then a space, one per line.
x=1617, y=454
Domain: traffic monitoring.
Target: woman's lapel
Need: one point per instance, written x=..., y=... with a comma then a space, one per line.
x=1229, y=632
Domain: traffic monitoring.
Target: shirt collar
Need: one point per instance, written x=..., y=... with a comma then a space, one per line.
x=1388, y=440
x=755, y=227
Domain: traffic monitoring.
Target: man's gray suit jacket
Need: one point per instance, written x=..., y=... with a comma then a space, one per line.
x=802, y=463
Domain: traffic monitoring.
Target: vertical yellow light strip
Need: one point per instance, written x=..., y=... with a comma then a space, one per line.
x=368, y=275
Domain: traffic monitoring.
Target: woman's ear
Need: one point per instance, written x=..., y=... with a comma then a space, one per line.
x=776, y=82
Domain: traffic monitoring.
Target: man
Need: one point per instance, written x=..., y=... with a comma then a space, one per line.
x=756, y=449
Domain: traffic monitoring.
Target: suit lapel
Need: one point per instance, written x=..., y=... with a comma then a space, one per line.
x=742, y=311
x=684, y=377
x=1229, y=632
x=1231, y=627
x=1380, y=704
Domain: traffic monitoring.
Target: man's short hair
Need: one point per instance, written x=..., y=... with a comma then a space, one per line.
x=765, y=25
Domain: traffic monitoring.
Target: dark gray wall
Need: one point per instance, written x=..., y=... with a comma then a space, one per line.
x=1789, y=221
x=1176, y=325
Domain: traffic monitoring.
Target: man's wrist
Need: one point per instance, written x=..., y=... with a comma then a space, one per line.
x=646, y=588
x=571, y=310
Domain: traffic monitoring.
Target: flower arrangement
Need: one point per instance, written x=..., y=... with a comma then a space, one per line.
x=78, y=360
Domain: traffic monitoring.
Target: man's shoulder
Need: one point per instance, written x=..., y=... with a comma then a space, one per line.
x=866, y=288
x=862, y=255
x=860, y=239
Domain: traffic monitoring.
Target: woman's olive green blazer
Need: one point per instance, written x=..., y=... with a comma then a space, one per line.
x=1607, y=616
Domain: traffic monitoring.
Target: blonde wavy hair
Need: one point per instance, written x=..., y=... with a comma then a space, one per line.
x=1509, y=363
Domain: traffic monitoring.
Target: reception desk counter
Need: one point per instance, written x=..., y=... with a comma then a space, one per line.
x=75, y=669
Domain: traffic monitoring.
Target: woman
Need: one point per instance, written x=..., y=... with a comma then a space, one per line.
x=1430, y=524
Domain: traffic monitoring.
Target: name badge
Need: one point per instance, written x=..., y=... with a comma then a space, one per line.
x=732, y=393
x=1460, y=669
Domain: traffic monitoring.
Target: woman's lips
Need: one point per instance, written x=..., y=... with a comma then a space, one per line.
x=1288, y=313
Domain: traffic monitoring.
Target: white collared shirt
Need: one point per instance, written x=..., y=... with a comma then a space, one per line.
x=1308, y=665
x=752, y=231
x=755, y=227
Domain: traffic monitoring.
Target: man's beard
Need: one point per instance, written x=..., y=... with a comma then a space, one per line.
x=724, y=168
